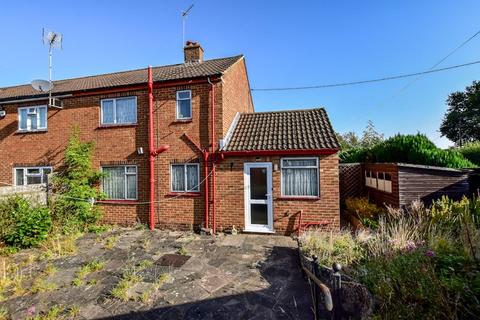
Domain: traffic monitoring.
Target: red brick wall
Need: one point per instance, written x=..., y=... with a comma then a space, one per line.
x=236, y=95
x=230, y=196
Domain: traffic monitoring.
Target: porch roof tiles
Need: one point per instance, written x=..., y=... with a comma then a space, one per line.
x=283, y=130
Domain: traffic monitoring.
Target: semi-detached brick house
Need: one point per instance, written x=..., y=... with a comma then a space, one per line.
x=255, y=170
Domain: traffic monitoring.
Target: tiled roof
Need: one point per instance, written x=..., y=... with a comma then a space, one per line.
x=283, y=130
x=163, y=73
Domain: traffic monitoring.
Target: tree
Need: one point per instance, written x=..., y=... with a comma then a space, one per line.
x=370, y=137
x=461, y=122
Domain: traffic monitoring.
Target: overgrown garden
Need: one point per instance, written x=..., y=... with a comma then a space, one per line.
x=418, y=263
x=70, y=210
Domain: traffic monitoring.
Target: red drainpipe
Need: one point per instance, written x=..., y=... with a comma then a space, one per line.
x=151, y=156
x=205, y=170
x=214, y=194
x=152, y=153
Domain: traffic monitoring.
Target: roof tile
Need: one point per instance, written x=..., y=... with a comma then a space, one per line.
x=283, y=130
x=132, y=77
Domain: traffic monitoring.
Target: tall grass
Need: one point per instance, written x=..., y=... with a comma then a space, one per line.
x=417, y=260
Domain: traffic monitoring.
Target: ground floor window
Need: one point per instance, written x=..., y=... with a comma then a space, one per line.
x=300, y=177
x=120, y=182
x=185, y=177
x=31, y=175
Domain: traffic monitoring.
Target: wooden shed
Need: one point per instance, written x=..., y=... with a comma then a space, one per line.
x=398, y=184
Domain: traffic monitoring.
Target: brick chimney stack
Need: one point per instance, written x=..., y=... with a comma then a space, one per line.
x=193, y=52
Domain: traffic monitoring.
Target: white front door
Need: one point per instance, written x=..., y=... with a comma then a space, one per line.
x=258, y=197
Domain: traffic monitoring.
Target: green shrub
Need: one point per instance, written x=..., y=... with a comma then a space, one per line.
x=76, y=183
x=28, y=226
x=471, y=151
x=415, y=149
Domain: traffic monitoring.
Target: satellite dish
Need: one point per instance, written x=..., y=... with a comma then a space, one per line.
x=42, y=85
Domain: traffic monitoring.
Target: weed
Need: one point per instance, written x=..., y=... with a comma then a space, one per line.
x=98, y=229
x=41, y=285
x=144, y=264
x=92, y=282
x=129, y=278
x=146, y=244
x=4, y=314
x=73, y=311
x=182, y=251
x=164, y=277
x=86, y=269
x=110, y=242
x=60, y=246
x=52, y=314
x=50, y=269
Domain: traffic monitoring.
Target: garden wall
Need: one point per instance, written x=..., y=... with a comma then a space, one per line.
x=35, y=193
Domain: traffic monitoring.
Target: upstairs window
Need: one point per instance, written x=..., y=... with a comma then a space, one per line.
x=185, y=177
x=119, y=111
x=120, y=182
x=184, y=105
x=31, y=175
x=32, y=118
x=300, y=177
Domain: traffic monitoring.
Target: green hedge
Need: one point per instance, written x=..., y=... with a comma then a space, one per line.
x=471, y=151
x=415, y=149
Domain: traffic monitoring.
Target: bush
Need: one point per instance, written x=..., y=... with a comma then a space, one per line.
x=415, y=149
x=76, y=183
x=471, y=151
x=25, y=226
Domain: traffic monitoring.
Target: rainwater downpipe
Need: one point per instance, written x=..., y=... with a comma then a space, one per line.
x=151, y=152
x=213, y=153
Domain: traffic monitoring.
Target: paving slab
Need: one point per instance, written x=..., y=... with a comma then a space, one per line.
x=240, y=276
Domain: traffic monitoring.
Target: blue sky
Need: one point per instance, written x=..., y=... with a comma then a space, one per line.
x=286, y=43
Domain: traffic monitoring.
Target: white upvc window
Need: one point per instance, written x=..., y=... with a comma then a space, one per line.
x=300, y=177
x=120, y=182
x=119, y=111
x=184, y=104
x=31, y=175
x=185, y=177
x=32, y=118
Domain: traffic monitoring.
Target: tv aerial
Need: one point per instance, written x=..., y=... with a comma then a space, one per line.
x=52, y=40
x=184, y=17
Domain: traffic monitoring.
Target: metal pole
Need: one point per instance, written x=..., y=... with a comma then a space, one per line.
x=337, y=291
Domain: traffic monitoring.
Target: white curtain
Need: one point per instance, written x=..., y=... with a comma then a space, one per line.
x=114, y=182
x=126, y=110
x=300, y=177
x=192, y=178
x=178, y=178
x=42, y=113
x=107, y=111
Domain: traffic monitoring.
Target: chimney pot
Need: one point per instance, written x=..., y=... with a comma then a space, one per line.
x=193, y=52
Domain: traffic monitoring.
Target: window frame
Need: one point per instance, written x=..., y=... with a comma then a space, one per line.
x=178, y=106
x=41, y=174
x=125, y=173
x=185, y=165
x=29, y=127
x=115, y=123
x=317, y=167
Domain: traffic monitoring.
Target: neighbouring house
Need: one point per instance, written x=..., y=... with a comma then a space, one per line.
x=185, y=136
x=398, y=184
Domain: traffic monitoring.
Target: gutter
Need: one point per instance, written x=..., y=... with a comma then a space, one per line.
x=34, y=99
x=280, y=152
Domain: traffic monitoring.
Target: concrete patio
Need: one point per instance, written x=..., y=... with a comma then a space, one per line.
x=227, y=277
